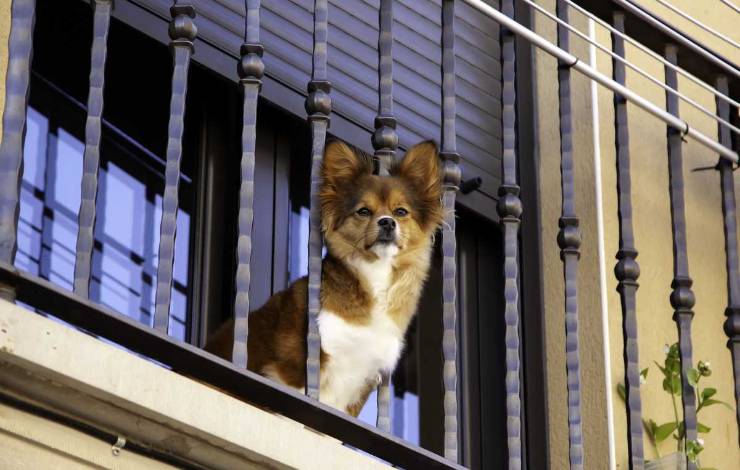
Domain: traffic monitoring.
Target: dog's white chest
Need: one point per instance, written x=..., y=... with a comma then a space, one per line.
x=357, y=353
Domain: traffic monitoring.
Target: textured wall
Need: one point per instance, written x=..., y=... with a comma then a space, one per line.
x=4, y=29
x=653, y=241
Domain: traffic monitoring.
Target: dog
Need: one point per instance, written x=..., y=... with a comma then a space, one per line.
x=379, y=234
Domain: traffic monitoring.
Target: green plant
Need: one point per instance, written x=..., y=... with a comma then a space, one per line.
x=671, y=370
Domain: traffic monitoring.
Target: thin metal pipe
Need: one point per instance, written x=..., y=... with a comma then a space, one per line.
x=676, y=36
x=637, y=69
x=731, y=5
x=599, y=198
x=653, y=54
x=590, y=72
x=698, y=23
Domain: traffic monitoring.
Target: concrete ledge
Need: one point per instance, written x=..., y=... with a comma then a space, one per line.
x=62, y=369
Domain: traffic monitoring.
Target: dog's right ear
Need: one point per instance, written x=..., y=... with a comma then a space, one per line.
x=342, y=165
x=339, y=172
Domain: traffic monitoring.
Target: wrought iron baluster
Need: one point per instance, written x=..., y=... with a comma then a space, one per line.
x=729, y=213
x=182, y=32
x=627, y=270
x=385, y=142
x=569, y=240
x=250, y=69
x=682, y=297
x=451, y=160
x=91, y=158
x=20, y=46
x=509, y=208
x=318, y=107
x=385, y=138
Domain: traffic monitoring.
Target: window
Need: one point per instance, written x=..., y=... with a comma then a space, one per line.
x=129, y=204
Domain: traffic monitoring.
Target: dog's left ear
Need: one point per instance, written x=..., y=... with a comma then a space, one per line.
x=421, y=168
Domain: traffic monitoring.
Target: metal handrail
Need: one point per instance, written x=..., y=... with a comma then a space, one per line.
x=637, y=69
x=651, y=53
x=698, y=23
x=568, y=58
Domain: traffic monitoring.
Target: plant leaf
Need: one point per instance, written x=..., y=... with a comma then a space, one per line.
x=703, y=428
x=621, y=391
x=662, y=369
x=712, y=401
x=693, y=377
x=663, y=431
x=644, y=373
x=707, y=393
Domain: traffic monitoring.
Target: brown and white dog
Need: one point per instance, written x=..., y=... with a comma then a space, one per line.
x=379, y=235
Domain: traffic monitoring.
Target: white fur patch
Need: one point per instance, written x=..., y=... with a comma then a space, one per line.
x=357, y=353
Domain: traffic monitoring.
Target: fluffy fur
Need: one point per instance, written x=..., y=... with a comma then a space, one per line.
x=372, y=277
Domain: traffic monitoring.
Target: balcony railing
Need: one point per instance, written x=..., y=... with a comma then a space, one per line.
x=626, y=21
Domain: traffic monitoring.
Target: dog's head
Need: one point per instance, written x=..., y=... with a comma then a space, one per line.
x=367, y=215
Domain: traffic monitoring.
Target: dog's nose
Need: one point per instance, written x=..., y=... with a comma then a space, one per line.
x=387, y=223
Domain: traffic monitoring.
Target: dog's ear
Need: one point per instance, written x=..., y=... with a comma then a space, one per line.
x=342, y=165
x=420, y=167
x=339, y=172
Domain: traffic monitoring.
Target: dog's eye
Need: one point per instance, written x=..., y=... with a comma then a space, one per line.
x=401, y=212
x=364, y=212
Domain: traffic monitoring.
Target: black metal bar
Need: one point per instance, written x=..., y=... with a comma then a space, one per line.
x=627, y=270
x=385, y=138
x=91, y=158
x=385, y=143
x=200, y=365
x=452, y=174
x=182, y=32
x=318, y=107
x=682, y=297
x=251, y=70
x=569, y=240
x=692, y=60
x=729, y=213
x=509, y=208
x=20, y=47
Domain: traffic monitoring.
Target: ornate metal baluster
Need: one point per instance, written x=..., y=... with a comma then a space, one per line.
x=20, y=42
x=732, y=323
x=682, y=298
x=251, y=69
x=385, y=142
x=385, y=138
x=627, y=270
x=318, y=107
x=569, y=240
x=91, y=159
x=510, y=210
x=451, y=160
x=182, y=32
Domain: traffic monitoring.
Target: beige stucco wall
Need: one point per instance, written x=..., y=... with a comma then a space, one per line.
x=653, y=240
x=4, y=30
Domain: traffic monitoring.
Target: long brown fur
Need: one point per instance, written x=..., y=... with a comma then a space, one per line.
x=277, y=330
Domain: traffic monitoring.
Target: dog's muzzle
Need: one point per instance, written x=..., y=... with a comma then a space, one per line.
x=386, y=230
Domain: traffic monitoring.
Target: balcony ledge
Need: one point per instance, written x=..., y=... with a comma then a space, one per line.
x=53, y=367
